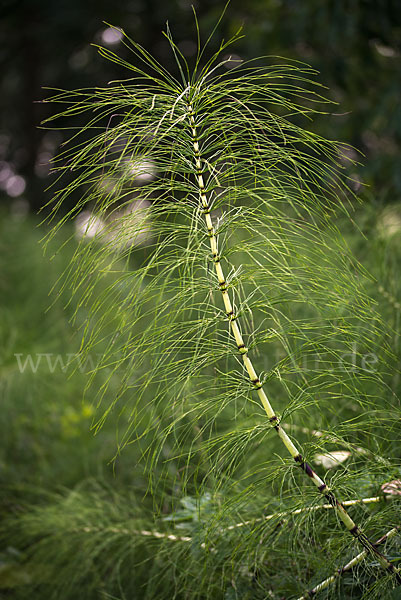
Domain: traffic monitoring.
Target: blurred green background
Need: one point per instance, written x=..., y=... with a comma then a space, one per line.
x=46, y=442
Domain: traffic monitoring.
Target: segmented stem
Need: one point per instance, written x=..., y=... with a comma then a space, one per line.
x=352, y=563
x=139, y=532
x=307, y=509
x=186, y=539
x=351, y=526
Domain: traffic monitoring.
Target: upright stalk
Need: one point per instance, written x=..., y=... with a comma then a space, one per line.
x=350, y=525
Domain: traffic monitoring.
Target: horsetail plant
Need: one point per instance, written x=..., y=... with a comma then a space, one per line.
x=236, y=198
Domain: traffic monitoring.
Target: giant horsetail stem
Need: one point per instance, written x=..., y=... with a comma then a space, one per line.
x=350, y=565
x=351, y=526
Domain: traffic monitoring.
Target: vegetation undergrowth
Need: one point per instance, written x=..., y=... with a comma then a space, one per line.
x=237, y=346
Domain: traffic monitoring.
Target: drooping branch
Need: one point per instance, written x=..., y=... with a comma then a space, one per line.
x=306, y=509
x=350, y=565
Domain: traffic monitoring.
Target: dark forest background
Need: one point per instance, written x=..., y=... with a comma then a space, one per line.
x=355, y=44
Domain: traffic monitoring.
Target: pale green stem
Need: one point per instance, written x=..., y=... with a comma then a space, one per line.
x=352, y=563
x=185, y=538
x=297, y=511
x=243, y=350
x=140, y=532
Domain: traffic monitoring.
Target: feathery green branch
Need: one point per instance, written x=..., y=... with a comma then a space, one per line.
x=349, y=523
x=350, y=565
x=227, y=143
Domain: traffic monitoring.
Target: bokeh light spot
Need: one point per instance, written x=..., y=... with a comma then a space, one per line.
x=111, y=36
x=15, y=186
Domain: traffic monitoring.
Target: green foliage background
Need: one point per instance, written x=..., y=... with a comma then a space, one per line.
x=355, y=45
x=51, y=463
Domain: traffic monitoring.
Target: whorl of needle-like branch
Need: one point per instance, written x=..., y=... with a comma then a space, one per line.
x=235, y=196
